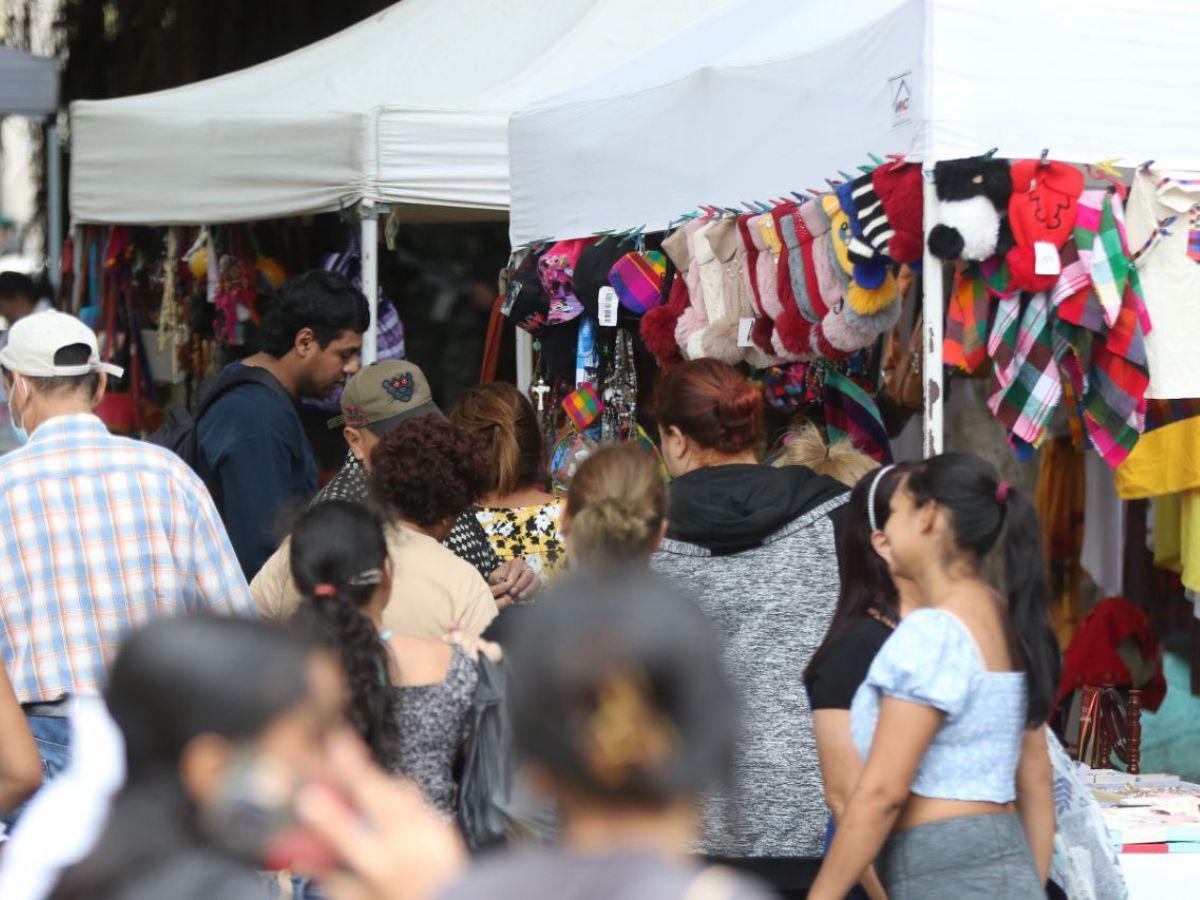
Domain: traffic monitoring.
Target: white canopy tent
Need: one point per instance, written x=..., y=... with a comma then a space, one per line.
x=29, y=87
x=408, y=107
x=777, y=95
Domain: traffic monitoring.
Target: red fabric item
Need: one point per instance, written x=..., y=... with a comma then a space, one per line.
x=783, y=272
x=1043, y=207
x=900, y=190
x=658, y=325
x=795, y=333
x=1092, y=657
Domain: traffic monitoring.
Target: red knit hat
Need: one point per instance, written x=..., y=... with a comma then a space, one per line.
x=1043, y=207
x=900, y=190
x=658, y=325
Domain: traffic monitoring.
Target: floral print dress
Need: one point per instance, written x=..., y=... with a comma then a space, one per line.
x=527, y=532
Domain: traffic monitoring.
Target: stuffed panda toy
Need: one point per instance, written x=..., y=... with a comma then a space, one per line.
x=972, y=221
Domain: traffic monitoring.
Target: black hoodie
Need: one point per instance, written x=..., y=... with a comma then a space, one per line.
x=728, y=509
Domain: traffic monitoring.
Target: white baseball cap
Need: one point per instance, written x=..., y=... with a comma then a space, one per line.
x=35, y=340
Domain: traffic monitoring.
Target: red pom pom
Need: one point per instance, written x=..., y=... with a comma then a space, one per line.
x=822, y=347
x=760, y=336
x=794, y=332
x=658, y=334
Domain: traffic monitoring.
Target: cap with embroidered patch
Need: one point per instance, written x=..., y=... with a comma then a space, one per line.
x=35, y=340
x=383, y=395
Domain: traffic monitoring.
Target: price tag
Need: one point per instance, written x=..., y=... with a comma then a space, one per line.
x=744, y=326
x=608, y=307
x=1045, y=258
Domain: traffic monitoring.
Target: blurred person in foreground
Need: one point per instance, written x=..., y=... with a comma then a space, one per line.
x=376, y=401
x=623, y=710
x=97, y=533
x=223, y=721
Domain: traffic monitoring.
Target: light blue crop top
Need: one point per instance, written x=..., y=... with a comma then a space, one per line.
x=933, y=660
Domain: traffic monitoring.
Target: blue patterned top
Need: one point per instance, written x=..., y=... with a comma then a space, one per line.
x=933, y=660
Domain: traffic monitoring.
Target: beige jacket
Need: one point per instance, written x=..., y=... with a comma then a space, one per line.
x=431, y=588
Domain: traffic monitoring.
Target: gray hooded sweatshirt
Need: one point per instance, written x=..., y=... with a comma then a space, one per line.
x=755, y=547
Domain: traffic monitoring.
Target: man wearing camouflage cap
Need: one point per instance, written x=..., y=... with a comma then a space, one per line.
x=374, y=402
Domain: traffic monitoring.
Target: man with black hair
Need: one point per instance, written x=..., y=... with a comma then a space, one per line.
x=18, y=297
x=98, y=533
x=254, y=452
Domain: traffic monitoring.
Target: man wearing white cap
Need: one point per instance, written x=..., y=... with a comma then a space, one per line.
x=97, y=533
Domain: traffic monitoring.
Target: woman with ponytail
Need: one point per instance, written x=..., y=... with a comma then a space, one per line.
x=520, y=518
x=955, y=798
x=755, y=546
x=410, y=696
x=616, y=511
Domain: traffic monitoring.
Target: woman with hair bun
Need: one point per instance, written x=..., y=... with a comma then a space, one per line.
x=520, y=518
x=755, y=546
x=616, y=511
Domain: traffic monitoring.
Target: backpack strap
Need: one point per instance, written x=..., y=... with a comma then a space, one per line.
x=244, y=375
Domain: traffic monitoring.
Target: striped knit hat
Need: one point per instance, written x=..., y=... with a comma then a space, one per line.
x=872, y=221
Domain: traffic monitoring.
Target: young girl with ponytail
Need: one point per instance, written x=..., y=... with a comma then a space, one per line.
x=955, y=796
x=410, y=696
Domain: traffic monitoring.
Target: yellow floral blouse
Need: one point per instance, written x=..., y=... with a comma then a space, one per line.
x=527, y=532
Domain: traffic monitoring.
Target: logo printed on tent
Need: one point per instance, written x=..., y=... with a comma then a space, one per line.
x=901, y=94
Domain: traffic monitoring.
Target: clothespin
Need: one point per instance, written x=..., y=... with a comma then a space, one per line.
x=991, y=153
x=817, y=193
x=845, y=177
x=833, y=185
x=800, y=197
x=897, y=160
x=1108, y=167
x=1043, y=158
x=1145, y=167
x=1106, y=170
x=867, y=170
x=875, y=159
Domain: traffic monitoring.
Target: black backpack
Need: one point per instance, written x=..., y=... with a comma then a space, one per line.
x=179, y=433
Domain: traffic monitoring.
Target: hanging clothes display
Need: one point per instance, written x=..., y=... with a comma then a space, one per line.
x=1170, y=271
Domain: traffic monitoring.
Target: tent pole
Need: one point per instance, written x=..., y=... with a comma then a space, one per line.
x=370, y=280
x=524, y=360
x=933, y=304
x=54, y=236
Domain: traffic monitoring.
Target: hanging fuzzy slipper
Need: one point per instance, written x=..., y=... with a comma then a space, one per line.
x=876, y=323
x=972, y=208
x=867, y=302
x=720, y=341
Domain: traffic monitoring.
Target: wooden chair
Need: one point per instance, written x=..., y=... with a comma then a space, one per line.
x=1110, y=727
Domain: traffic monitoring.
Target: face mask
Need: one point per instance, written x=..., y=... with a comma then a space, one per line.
x=19, y=431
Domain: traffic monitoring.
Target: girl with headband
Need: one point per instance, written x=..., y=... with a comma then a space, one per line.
x=955, y=797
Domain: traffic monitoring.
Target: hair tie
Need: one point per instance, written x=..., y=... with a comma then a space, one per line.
x=324, y=590
x=879, y=473
x=1002, y=489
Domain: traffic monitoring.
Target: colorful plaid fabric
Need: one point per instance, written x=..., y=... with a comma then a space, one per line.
x=965, y=344
x=1026, y=385
x=99, y=534
x=583, y=405
x=851, y=413
x=1106, y=358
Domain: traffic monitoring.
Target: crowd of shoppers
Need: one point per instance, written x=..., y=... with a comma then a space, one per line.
x=718, y=676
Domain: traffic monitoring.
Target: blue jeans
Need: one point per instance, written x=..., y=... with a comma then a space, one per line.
x=52, y=734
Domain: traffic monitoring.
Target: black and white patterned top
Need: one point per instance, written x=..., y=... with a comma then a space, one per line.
x=434, y=722
x=467, y=540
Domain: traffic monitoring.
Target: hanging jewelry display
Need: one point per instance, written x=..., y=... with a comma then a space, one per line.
x=619, y=422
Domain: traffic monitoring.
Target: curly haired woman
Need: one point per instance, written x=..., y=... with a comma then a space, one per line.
x=424, y=474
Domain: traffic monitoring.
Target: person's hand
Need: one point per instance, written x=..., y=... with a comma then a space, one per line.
x=393, y=844
x=513, y=582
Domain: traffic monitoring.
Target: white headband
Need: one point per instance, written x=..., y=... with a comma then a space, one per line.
x=879, y=473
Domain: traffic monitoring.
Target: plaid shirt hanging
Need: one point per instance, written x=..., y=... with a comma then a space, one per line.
x=1026, y=384
x=965, y=344
x=1106, y=361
